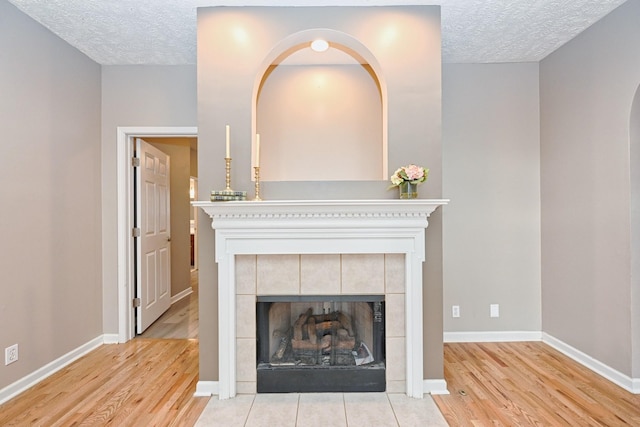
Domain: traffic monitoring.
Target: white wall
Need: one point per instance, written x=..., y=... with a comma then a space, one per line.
x=587, y=89
x=50, y=291
x=491, y=236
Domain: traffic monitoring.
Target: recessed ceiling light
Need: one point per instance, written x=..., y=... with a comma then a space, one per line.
x=319, y=45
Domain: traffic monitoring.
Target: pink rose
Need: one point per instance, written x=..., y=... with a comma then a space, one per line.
x=414, y=172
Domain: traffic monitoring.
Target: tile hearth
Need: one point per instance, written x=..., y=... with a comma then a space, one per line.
x=322, y=410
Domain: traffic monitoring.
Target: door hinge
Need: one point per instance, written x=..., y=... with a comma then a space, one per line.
x=135, y=162
x=136, y=302
x=135, y=232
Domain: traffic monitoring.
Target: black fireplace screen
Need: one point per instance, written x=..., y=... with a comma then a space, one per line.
x=320, y=344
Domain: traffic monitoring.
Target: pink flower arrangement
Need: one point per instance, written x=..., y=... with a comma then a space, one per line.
x=411, y=173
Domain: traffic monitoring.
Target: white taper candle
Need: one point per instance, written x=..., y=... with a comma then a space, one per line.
x=228, y=152
x=258, y=149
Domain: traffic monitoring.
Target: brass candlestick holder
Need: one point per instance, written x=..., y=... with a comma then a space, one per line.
x=227, y=161
x=228, y=195
x=256, y=173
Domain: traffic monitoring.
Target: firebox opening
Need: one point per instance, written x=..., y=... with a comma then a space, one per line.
x=320, y=344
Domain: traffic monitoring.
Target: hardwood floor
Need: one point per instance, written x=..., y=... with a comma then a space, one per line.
x=151, y=382
x=145, y=382
x=529, y=384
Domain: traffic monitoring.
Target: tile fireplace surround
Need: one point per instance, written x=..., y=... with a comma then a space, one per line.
x=307, y=232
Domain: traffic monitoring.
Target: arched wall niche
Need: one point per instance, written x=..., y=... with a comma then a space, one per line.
x=320, y=116
x=634, y=129
x=634, y=167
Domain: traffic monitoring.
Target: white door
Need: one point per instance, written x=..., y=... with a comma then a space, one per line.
x=153, y=245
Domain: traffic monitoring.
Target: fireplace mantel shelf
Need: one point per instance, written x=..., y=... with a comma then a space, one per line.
x=383, y=226
x=320, y=213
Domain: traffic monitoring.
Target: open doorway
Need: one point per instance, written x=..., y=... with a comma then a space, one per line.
x=180, y=320
x=126, y=265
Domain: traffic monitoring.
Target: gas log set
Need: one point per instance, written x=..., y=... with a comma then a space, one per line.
x=321, y=339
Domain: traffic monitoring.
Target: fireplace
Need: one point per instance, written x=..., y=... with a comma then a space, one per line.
x=320, y=344
x=287, y=247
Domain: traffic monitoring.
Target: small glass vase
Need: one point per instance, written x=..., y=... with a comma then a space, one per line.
x=408, y=190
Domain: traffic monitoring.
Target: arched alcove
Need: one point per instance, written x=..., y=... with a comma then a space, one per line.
x=634, y=168
x=634, y=128
x=634, y=159
x=321, y=116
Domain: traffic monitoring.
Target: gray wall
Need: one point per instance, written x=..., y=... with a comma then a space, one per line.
x=491, y=170
x=50, y=291
x=587, y=88
x=135, y=95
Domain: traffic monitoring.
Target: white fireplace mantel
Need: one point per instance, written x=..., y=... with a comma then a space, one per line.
x=320, y=227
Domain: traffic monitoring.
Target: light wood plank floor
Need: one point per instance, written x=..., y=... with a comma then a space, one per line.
x=151, y=382
x=529, y=384
x=145, y=382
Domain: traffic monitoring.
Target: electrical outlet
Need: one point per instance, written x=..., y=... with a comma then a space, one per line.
x=494, y=310
x=11, y=354
x=455, y=311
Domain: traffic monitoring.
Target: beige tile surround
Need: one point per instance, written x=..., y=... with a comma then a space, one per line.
x=334, y=274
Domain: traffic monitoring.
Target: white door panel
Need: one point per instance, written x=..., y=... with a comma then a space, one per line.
x=153, y=245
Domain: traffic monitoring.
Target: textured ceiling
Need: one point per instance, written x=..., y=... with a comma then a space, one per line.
x=118, y=32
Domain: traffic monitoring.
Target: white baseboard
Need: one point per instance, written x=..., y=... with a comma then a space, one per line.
x=206, y=388
x=493, y=336
x=111, y=339
x=49, y=369
x=183, y=294
x=435, y=387
x=632, y=385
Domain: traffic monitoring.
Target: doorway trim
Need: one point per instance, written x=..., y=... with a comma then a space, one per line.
x=124, y=153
